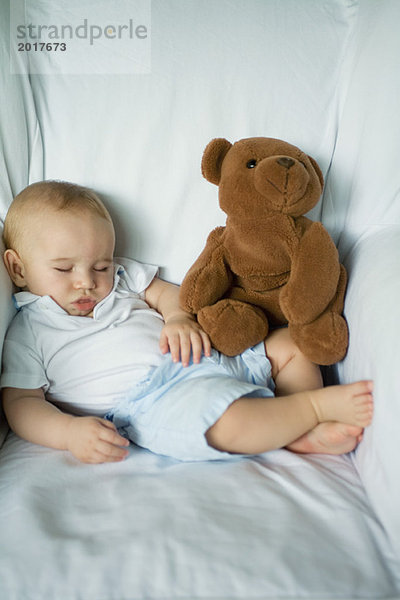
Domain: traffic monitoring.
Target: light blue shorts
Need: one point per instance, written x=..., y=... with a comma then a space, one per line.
x=170, y=411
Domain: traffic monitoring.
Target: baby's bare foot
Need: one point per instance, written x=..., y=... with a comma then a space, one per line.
x=351, y=403
x=328, y=438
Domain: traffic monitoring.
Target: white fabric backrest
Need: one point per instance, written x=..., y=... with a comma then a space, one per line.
x=228, y=69
x=21, y=155
x=363, y=191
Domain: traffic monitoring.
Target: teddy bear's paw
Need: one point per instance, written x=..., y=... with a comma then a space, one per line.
x=301, y=311
x=324, y=341
x=233, y=326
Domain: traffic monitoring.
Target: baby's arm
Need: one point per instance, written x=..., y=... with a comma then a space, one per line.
x=90, y=439
x=181, y=334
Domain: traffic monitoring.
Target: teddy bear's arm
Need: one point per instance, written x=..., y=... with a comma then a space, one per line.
x=314, y=276
x=208, y=278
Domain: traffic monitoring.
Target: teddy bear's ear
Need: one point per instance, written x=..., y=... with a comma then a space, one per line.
x=317, y=170
x=213, y=158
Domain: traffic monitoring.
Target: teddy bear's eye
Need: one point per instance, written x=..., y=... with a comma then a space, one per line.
x=251, y=163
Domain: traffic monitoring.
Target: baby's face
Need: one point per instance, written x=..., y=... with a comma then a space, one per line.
x=72, y=262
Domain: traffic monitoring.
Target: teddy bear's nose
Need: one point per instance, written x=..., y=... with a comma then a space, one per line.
x=285, y=161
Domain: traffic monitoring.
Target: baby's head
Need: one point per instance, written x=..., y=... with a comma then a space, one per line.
x=59, y=241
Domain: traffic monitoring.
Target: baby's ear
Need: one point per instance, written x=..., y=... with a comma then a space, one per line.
x=213, y=158
x=15, y=267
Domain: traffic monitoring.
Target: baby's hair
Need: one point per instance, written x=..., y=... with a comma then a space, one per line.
x=44, y=195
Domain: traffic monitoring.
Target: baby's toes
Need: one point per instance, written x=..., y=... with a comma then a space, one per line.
x=354, y=430
x=365, y=410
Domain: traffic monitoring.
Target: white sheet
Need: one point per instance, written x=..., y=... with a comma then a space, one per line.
x=273, y=526
x=372, y=310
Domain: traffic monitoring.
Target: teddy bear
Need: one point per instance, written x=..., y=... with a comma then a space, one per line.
x=269, y=266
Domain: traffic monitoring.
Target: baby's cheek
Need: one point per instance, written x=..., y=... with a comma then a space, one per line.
x=108, y=286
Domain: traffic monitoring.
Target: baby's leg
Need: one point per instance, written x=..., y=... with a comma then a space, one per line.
x=292, y=371
x=255, y=425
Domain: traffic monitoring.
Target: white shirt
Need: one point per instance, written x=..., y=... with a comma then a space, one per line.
x=85, y=364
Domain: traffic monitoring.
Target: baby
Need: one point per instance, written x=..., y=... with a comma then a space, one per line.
x=101, y=351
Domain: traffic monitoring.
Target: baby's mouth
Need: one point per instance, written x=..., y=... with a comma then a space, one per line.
x=85, y=303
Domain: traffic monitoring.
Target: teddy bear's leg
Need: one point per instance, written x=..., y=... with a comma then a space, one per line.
x=233, y=326
x=325, y=340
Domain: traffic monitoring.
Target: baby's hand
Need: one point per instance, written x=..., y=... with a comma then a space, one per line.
x=95, y=440
x=181, y=336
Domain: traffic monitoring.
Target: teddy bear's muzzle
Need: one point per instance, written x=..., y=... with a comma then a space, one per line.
x=282, y=181
x=285, y=161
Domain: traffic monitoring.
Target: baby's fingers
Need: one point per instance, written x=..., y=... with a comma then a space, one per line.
x=184, y=340
x=164, y=343
x=206, y=342
x=185, y=351
x=106, y=452
x=171, y=343
x=197, y=346
x=111, y=435
x=200, y=343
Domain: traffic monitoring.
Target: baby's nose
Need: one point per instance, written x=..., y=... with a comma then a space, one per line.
x=85, y=282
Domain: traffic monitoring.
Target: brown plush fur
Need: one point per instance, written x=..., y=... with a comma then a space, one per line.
x=269, y=265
